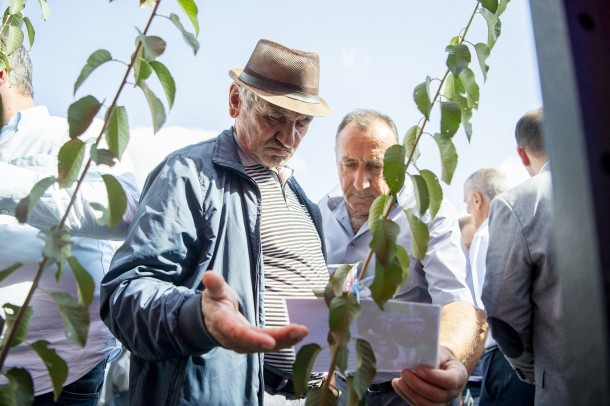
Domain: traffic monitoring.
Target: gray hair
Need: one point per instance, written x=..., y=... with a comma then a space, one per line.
x=528, y=132
x=247, y=96
x=364, y=119
x=487, y=181
x=21, y=71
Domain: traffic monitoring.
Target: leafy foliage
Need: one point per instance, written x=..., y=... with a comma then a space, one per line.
x=72, y=168
x=57, y=367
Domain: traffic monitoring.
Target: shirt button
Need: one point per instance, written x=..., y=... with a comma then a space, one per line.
x=4, y=211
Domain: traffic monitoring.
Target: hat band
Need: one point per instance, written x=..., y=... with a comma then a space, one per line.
x=277, y=89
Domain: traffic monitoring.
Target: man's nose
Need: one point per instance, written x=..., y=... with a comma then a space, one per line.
x=361, y=180
x=287, y=135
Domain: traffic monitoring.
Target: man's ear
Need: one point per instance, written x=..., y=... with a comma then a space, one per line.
x=234, y=100
x=478, y=199
x=525, y=159
x=4, y=77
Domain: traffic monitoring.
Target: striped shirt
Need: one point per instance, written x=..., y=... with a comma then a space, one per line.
x=292, y=254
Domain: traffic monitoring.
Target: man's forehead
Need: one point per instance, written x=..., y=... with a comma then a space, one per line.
x=266, y=107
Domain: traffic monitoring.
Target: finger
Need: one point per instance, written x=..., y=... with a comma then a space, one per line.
x=234, y=332
x=216, y=286
x=287, y=336
x=423, y=393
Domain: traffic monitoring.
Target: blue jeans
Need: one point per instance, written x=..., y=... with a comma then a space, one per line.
x=501, y=385
x=82, y=392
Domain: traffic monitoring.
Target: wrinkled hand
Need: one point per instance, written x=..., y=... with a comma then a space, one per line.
x=231, y=329
x=427, y=386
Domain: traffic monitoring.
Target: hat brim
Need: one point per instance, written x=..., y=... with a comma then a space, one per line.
x=321, y=109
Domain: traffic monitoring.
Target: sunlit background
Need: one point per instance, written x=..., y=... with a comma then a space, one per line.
x=372, y=56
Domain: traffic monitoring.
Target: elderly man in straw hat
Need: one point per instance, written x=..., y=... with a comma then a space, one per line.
x=231, y=205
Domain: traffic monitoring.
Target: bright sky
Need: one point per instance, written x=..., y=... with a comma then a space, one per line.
x=372, y=56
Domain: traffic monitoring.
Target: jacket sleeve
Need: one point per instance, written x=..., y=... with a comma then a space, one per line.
x=507, y=288
x=151, y=298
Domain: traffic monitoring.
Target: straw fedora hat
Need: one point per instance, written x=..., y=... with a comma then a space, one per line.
x=286, y=77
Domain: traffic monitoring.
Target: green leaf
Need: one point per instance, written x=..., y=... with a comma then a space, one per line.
x=57, y=244
x=30, y=29
x=102, y=156
x=377, y=209
x=402, y=259
x=117, y=200
x=329, y=294
x=190, y=9
x=420, y=188
x=190, y=39
x=84, y=282
x=81, y=114
x=167, y=81
x=15, y=6
x=389, y=280
x=482, y=55
x=94, y=61
x=343, y=310
x=20, y=389
x=321, y=396
x=419, y=235
x=117, y=131
x=466, y=116
x=10, y=312
x=4, y=62
x=472, y=88
x=383, y=242
x=7, y=271
x=450, y=118
x=302, y=367
x=342, y=356
x=157, y=110
x=394, y=168
x=458, y=58
x=491, y=5
x=75, y=317
x=105, y=215
x=365, y=367
x=153, y=46
x=141, y=70
x=410, y=142
x=449, y=156
x=421, y=95
x=13, y=39
x=435, y=191
x=57, y=367
x=337, y=278
x=44, y=7
x=25, y=205
x=494, y=27
x=502, y=7
x=70, y=161
x=352, y=397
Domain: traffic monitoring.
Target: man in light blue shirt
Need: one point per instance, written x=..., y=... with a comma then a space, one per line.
x=362, y=139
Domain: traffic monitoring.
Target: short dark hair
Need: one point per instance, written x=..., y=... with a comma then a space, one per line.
x=528, y=132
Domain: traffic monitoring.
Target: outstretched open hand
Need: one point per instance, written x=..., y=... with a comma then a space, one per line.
x=231, y=329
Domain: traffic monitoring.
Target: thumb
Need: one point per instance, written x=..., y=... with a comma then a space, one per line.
x=215, y=286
